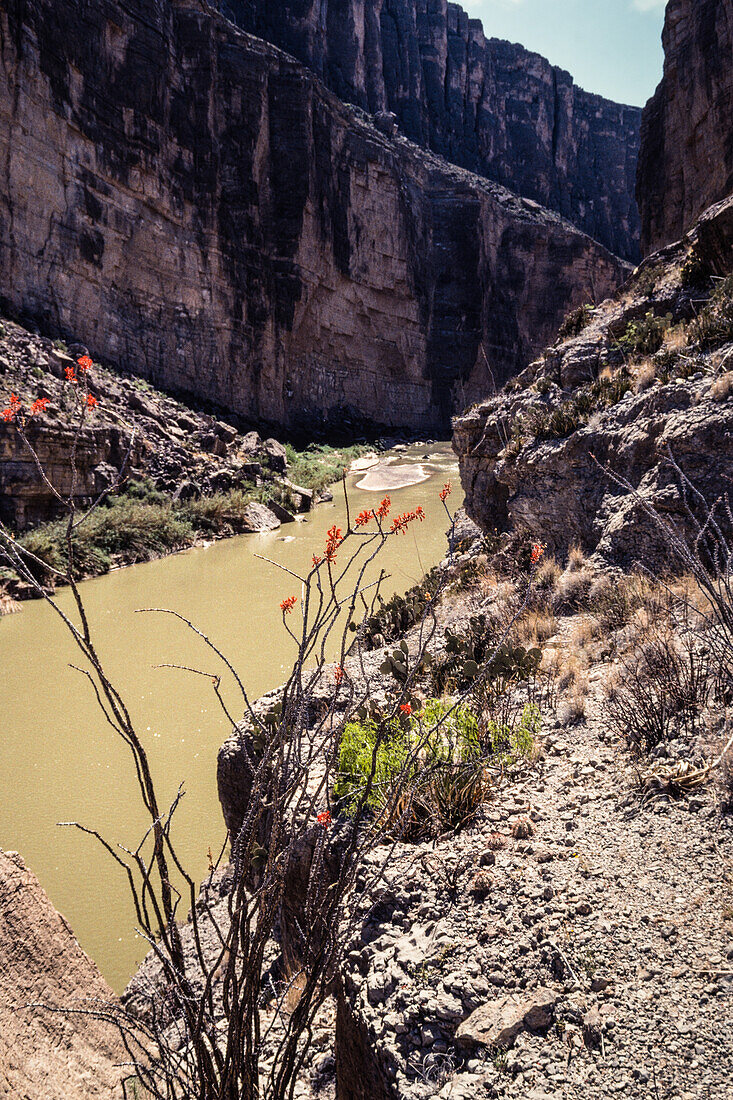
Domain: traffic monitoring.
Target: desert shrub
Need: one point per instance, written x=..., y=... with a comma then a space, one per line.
x=645, y=336
x=574, y=413
x=513, y=741
x=714, y=324
x=694, y=271
x=217, y=514
x=613, y=599
x=575, y=322
x=128, y=531
x=662, y=687
x=446, y=778
x=535, y=627
x=572, y=591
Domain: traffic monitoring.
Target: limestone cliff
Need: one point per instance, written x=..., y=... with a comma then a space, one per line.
x=192, y=203
x=686, y=158
x=488, y=105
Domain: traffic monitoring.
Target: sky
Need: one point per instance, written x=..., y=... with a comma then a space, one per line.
x=612, y=47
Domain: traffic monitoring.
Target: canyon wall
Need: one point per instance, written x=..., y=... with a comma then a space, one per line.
x=485, y=104
x=686, y=158
x=193, y=204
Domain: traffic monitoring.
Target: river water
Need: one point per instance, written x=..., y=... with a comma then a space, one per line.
x=59, y=761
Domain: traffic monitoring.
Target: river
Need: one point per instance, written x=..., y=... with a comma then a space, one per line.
x=59, y=761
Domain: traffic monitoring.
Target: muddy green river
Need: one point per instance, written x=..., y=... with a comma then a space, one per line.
x=59, y=761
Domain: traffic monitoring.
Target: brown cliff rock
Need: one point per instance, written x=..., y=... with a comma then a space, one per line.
x=47, y=1054
x=490, y=106
x=194, y=205
x=686, y=158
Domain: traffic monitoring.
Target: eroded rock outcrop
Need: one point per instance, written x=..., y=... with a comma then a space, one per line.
x=194, y=205
x=533, y=458
x=486, y=104
x=686, y=158
x=49, y=1052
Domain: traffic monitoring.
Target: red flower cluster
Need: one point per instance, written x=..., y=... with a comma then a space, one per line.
x=537, y=551
x=316, y=560
x=401, y=523
x=91, y=402
x=85, y=364
x=406, y=709
x=325, y=819
x=383, y=510
x=287, y=605
x=363, y=518
x=446, y=491
x=333, y=541
x=38, y=406
x=339, y=673
x=13, y=408
x=70, y=374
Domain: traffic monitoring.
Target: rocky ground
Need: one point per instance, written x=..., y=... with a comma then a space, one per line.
x=592, y=958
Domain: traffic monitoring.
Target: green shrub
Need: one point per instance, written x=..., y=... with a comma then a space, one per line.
x=645, y=336
x=694, y=271
x=320, y=465
x=221, y=513
x=512, y=742
x=430, y=775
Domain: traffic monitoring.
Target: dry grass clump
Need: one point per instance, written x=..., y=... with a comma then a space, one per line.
x=573, y=687
x=585, y=634
x=547, y=576
x=722, y=388
x=576, y=559
x=535, y=628
x=571, y=592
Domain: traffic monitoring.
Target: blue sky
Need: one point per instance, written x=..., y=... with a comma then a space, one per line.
x=612, y=47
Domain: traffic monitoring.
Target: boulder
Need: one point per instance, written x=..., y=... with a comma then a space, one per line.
x=276, y=456
x=498, y=1023
x=258, y=517
x=280, y=511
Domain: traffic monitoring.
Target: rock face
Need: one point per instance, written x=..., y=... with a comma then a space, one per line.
x=46, y=1054
x=532, y=459
x=485, y=104
x=194, y=205
x=686, y=158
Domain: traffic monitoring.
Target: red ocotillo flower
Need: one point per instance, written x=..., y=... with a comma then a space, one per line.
x=339, y=673
x=288, y=604
x=324, y=818
x=85, y=364
x=38, y=406
x=363, y=518
x=13, y=408
x=538, y=550
x=333, y=541
x=383, y=509
x=70, y=374
x=91, y=402
x=446, y=491
x=406, y=708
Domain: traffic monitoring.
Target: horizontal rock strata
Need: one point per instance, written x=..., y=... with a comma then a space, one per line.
x=194, y=205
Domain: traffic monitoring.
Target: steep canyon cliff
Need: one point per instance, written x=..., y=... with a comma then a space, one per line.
x=193, y=204
x=488, y=105
x=686, y=159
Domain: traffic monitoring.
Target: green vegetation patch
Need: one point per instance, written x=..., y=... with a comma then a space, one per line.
x=320, y=465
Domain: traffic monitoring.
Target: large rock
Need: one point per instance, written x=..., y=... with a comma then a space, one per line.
x=46, y=1051
x=498, y=1023
x=551, y=485
x=686, y=158
x=487, y=105
x=193, y=204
